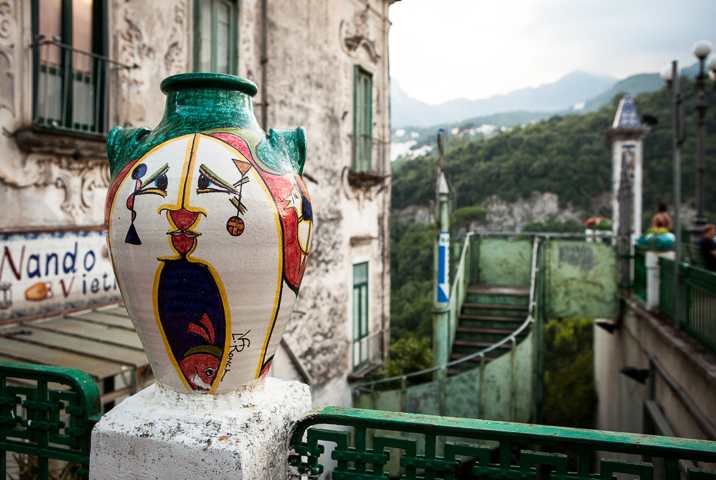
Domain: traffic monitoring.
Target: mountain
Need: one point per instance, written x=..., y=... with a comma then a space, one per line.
x=561, y=95
x=634, y=85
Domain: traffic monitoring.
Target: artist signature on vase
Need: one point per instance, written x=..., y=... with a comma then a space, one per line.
x=239, y=342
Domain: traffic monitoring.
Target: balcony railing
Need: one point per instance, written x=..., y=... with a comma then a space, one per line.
x=370, y=160
x=640, y=273
x=386, y=444
x=368, y=351
x=48, y=413
x=698, y=293
x=77, y=91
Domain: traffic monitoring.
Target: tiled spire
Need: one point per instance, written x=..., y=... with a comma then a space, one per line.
x=626, y=116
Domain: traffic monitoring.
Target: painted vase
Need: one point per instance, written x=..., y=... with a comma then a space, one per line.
x=209, y=226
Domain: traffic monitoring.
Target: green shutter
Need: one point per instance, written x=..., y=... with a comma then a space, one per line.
x=360, y=315
x=215, y=36
x=362, y=120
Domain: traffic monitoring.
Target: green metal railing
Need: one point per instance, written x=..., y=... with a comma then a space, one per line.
x=640, y=273
x=440, y=447
x=47, y=412
x=698, y=293
x=459, y=287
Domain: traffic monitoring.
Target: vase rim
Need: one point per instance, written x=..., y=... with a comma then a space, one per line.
x=222, y=81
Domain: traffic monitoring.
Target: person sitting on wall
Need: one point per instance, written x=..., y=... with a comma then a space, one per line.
x=708, y=246
x=661, y=219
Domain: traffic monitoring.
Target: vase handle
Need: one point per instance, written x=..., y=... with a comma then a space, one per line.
x=121, y=142
x=292, y=143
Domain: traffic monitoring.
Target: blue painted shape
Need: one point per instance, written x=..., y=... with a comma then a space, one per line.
x=443, y=257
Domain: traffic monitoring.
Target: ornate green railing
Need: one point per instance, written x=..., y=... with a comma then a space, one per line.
x=640, y=273
x=698, y=293
x=47, y=413
x=490, y=450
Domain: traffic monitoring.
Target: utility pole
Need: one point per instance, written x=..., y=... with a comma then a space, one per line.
x=441, y=299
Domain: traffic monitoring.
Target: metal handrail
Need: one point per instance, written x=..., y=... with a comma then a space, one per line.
x=467, y=358
x=42, y=40
x=497, y=233
x=533, y=276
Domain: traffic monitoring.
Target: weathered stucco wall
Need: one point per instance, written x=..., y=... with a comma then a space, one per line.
x=312, y=49
x=640, y=337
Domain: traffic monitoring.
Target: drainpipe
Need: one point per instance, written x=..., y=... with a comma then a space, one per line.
x=264, y=65
x=441, y=305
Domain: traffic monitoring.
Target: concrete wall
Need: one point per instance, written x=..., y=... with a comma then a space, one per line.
x=313, y=46
x=640, y=336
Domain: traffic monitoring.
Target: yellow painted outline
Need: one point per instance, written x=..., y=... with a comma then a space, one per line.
x=277, y=300
x=129, y=175
x=227, y=328
x=191, y=151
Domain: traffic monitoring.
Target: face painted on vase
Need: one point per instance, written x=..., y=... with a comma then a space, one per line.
x=185, y=195
x=206, y=230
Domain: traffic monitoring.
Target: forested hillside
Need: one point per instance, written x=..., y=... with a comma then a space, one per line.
x=567, y=155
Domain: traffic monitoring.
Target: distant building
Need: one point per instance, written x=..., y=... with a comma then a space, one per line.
x=73, y=70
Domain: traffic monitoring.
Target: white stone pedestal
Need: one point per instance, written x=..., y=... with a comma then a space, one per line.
x=160, y=434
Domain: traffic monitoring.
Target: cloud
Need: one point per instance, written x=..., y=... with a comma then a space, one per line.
x=478, y=48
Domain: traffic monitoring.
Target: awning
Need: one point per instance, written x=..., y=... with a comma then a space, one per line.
x=100, y=341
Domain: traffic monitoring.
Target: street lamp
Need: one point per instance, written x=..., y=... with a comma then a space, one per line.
x=701, y=49
x=670, y=74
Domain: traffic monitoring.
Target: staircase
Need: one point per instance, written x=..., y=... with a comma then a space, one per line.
x=489, y=314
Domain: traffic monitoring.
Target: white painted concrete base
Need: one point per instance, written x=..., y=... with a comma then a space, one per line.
x=160, y=434
x=652, y=281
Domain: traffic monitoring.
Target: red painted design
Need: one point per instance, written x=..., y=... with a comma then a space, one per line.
x=280, y=188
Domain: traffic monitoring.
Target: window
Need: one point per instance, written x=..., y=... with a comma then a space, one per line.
x=70, y=70
x=361, y=355
x=215, y=36
x=362, y=121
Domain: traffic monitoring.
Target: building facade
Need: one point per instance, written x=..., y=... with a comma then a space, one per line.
x=72, y=69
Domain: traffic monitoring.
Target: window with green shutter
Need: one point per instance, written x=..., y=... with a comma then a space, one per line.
x=215, y=36
x=70, y=71
x=360, y=315
x=362, y=121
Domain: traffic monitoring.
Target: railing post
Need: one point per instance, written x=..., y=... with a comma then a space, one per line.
x=441, y=299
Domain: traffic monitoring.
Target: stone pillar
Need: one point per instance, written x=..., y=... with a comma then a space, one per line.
x=161, y=434
x=627, y=135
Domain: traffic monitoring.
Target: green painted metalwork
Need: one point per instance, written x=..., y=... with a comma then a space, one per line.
x=504, y=262
x=666, y=287
x=640, y=273
x=48, y=412
x=581, y=280
x=698, y=293
x=428, y=447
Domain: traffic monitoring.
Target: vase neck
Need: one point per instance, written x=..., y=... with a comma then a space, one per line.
x=205, y=108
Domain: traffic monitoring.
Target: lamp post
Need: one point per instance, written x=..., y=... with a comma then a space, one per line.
x=670, y=74
x=701, y=49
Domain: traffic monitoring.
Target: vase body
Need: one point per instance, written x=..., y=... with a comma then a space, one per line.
x=209, y=227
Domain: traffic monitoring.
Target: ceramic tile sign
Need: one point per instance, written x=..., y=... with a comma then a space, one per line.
x=209, y=250
x=50, y=272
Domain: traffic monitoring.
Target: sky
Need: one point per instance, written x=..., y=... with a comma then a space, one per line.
x=446, y=49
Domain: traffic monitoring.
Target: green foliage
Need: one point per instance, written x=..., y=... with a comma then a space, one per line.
x=462, y=218
x=570, y=398
x=407, y=355
x=553, y=225
x=411, y=278
x=568, y=155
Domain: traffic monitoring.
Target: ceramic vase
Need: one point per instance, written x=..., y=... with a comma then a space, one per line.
x=209, y=227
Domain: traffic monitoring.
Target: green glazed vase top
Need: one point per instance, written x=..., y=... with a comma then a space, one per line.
x=208, y=102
